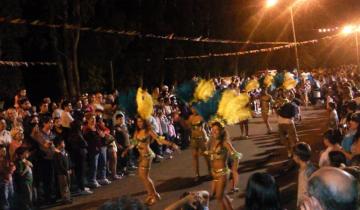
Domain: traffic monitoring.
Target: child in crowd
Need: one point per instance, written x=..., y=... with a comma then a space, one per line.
x=331, y=142
x=23, y=179
x=62, y=170
x=302, y=156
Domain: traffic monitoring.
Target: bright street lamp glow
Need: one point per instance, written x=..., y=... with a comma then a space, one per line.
x=271, y=3
x=348, y=29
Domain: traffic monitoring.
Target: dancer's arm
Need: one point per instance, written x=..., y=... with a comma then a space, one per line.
x=161, y=140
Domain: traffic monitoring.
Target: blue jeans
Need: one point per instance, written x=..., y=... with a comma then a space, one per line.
x=6, y=194
x=93, y=167
x=102, y=163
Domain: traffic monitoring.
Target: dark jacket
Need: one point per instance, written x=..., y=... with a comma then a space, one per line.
x=93, y=140
x=61, y=163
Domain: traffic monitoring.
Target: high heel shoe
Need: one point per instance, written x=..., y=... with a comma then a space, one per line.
x=153, y=199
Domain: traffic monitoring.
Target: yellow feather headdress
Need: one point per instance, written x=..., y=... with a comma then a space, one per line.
x=145, y=106
x=289, y=81
x=233, y=107
x=204, y=90
x=252, y=85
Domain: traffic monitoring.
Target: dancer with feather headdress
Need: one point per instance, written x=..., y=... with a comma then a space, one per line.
x=143, y=137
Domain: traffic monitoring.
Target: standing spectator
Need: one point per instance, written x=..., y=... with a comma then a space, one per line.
x=109, y=110
x=78, y=154
x=7, y=168
x=62, y=170
x=44, y=138
x=5, y=137
x=333, y=117
x=23, y=179
x=302, y=155
x=18, y=137
x=21, y=94
x=121, y=134
x=103, y=133
x=66, y=119
x=94, y=144
x=44, y=110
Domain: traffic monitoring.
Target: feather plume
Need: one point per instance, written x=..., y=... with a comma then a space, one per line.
x=204, y=90
x=207, y=109
x=185, y=92
x=289, y=81
x=145, y=106
x=252, y=85
x=127, y=102
x=233, y=107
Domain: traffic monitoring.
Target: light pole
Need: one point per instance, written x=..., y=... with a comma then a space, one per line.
x=294, y=38
x=271, y=3
x=349, y=29
x=357, y=47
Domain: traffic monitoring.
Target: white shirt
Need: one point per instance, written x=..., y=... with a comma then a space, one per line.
x=5, y=137
x=66, y=119
x=324, y=157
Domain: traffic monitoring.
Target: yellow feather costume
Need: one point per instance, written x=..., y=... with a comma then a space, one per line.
x=233, y=107
x=145, y=106
x=268, y=80
x=252, y=85
x=204, y=90
x=289, y=81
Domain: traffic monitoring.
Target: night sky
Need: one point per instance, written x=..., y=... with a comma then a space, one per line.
x=135, y=58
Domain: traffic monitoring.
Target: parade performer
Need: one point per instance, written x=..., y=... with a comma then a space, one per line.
x=198, y=141
x=220, y=149
x=265, y=103
x=143, y=137
x=286, y=112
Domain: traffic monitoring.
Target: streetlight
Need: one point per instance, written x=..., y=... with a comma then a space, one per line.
x=271, y=3
x=350, y=29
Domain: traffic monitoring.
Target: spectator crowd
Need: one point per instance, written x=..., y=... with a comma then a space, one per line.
x=56, y=149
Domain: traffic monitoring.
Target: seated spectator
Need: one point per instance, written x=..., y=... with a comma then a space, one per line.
x=337, y=159
x=198, y=200
x=123, y=203
x=331, y=189
x=302, y=156
x=331, y=139
x=262, y=193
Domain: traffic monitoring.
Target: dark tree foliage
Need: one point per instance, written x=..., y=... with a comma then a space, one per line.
x=85, y=58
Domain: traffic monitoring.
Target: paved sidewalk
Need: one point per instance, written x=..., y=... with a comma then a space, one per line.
x=262, y=152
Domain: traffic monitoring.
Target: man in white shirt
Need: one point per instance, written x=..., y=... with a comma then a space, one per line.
x=66, y=118
x=5, y=137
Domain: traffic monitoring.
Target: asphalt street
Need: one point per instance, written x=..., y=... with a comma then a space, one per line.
x=262, y=153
